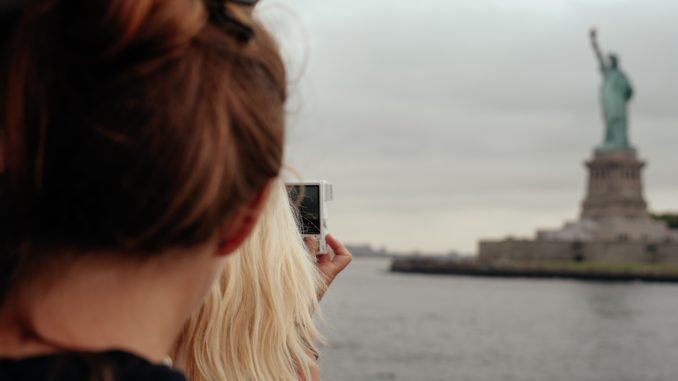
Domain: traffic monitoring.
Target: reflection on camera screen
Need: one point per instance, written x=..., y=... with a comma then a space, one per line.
x=308, y=206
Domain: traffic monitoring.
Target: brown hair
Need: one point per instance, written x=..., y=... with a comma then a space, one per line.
x=134, y=124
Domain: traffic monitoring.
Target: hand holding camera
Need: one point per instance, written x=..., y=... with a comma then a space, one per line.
x=309, y=198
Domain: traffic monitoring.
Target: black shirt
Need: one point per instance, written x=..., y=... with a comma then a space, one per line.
x=122, y=366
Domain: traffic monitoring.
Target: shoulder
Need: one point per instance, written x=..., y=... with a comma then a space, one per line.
x=114, y=365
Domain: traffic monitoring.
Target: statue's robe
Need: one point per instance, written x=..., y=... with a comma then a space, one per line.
x=615, y=92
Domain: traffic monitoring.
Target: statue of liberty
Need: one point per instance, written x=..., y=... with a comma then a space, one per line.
x=615, y=92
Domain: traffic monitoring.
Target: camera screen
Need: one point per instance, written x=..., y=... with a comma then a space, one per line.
x=306, y=198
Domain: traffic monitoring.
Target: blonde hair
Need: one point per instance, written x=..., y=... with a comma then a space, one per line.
x=257, y=323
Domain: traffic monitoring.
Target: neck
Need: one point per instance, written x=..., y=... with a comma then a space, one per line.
x=94, y=304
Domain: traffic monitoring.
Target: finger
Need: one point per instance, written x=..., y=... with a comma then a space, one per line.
x=323, y=258
x=337, y=247
x=312, y=245
x=342, y=257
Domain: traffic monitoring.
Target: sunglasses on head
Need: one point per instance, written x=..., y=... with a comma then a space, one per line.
x=221, y=16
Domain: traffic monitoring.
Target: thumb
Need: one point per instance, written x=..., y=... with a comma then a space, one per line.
x=342, y=257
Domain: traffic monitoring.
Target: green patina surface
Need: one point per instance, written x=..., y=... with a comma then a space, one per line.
x=615, y=92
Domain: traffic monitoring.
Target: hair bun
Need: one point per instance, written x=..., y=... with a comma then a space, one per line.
x=143, y=29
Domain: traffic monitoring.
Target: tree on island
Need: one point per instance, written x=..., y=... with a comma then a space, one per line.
x=671, y=219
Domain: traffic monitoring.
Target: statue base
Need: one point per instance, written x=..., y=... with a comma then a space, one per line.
x=615, y=225
x=614, y=210
x=615, y=187
x=608, y=147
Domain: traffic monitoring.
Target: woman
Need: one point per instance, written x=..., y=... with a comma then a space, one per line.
x=140, y=140
x=257, y=323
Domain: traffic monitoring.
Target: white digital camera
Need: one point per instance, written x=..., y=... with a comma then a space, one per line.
x=309, y=199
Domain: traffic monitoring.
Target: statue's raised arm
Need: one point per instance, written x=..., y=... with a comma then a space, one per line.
x=596, y=48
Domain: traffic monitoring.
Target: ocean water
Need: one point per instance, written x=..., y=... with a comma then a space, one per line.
x=387, y=326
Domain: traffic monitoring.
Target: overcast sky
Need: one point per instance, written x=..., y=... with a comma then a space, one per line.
x=441, y=122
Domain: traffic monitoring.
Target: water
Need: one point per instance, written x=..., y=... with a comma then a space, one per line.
x=387, y=326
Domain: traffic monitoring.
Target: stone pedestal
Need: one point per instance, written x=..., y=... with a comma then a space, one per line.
x=614, y=209
x=615, y=187
x=615, y=225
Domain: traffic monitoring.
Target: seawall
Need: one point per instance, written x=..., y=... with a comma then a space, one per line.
x=619, y=272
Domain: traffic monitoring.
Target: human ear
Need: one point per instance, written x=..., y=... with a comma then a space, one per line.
x=234, y=231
